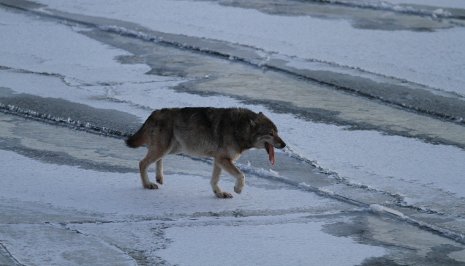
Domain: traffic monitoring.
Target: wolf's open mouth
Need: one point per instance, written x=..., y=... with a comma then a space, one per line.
x=270, y=150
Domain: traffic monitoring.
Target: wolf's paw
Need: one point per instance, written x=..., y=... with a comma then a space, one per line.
x=150, y=186
x=223, y=195
x=160, y=180
x=237, y=189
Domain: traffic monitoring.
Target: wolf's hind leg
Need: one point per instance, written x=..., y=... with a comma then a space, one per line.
x=159, y=175
x=214, y=182
x=153, y=155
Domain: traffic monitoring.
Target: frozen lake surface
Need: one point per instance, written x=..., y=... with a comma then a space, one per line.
x=373, y=116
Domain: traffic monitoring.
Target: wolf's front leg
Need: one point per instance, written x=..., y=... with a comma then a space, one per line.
x=229, y=167
x=214, y=183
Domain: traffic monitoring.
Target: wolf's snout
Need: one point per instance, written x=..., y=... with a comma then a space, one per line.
x=279, y=144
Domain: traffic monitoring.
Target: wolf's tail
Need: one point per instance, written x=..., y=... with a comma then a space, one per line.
x=138, y=139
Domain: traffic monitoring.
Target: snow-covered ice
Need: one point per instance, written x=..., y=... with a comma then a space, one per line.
x=121, y=194
x=111, y=214
x=118, y=197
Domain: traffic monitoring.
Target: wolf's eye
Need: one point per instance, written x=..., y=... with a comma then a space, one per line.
x=271, y=133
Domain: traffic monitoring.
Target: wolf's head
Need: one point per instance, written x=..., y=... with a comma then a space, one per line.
x=266, y=135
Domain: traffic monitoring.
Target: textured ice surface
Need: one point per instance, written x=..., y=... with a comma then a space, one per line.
x=82, y=70
x=403, y=166
x=212, y=245
x=422, y=57
x=113, y=197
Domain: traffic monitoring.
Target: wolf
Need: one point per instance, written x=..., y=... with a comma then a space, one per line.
x=219, y=133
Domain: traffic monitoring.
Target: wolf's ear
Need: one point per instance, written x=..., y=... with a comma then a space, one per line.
x=261, y=115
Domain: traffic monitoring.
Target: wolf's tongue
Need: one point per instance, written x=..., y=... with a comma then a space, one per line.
x=270, y=150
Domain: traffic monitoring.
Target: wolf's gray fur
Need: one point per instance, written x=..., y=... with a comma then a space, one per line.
x=220, y=133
